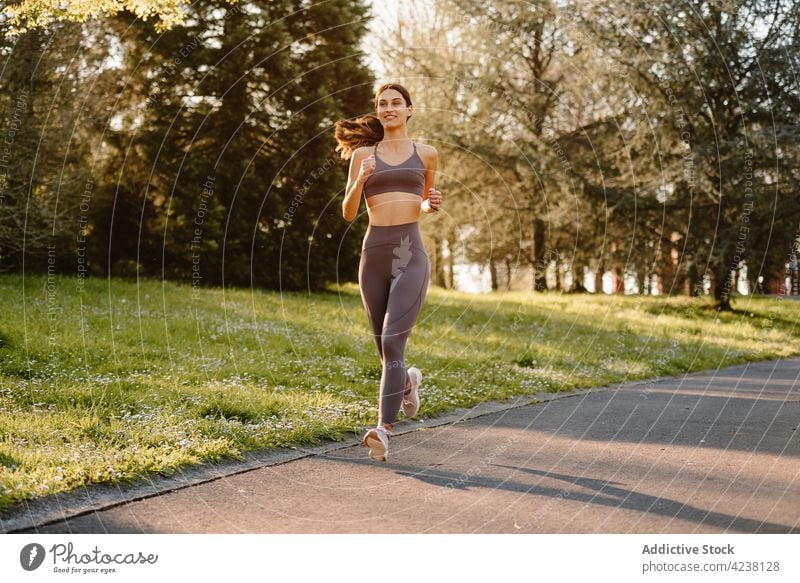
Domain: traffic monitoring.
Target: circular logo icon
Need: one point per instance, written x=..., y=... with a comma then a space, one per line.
x=31, y=556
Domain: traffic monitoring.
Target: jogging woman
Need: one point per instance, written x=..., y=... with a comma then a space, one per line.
x=396, y=176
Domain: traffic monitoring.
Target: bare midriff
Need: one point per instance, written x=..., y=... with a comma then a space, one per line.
x=393, y=208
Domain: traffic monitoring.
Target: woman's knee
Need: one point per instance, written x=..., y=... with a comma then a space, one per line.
x=393, y=347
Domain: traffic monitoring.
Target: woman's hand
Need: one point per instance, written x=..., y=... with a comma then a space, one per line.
x=367, y=167
x=434, y=200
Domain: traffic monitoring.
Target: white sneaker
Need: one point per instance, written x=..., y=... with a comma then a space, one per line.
x=377, y=440
x=411, y=401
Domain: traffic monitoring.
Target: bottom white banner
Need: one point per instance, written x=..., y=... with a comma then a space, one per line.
x=434, y=557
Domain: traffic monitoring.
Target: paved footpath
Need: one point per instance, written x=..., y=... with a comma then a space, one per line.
x=707, y=452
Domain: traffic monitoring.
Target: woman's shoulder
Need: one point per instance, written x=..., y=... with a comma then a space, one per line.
x=427, y=153
x=426, y=150
x=363, y=151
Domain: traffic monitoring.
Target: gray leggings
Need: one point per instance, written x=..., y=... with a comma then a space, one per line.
x=393, y=275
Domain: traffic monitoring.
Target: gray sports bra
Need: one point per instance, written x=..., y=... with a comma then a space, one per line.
x=408, y=176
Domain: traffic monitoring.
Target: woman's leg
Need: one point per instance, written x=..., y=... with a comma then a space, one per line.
x=375, y=297
x=374, y=285
x=374, y=282
x=407, y=293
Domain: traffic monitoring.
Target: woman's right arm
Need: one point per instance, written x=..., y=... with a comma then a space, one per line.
x=355, y=184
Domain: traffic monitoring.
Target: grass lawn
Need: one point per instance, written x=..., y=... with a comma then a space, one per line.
x=126, y=378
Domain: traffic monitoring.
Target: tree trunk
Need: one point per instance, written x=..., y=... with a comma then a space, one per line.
x=577, y=279
x=641, y=277
x=437, y=263
x=451, y=259
x=598, y=278
x=667, y=275
x=694, y=279
x=681, y=283
x=561, y=280
x=617, y=281
x=722, y=287
x=539, y=267
x=493, y=271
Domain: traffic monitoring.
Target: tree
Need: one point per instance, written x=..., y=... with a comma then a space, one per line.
x=724, y=84
x=29, y=14
x=207, y=148
x=41, y=161
x=236, y=127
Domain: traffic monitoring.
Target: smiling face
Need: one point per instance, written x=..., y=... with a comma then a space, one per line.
x=392, y=109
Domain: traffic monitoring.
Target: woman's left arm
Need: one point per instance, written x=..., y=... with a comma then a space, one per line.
x=431, y=198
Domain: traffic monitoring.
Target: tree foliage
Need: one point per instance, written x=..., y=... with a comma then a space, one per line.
x=202, y=153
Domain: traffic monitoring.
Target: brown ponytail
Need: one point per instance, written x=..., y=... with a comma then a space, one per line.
x=366, y=130
x=353, y=134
